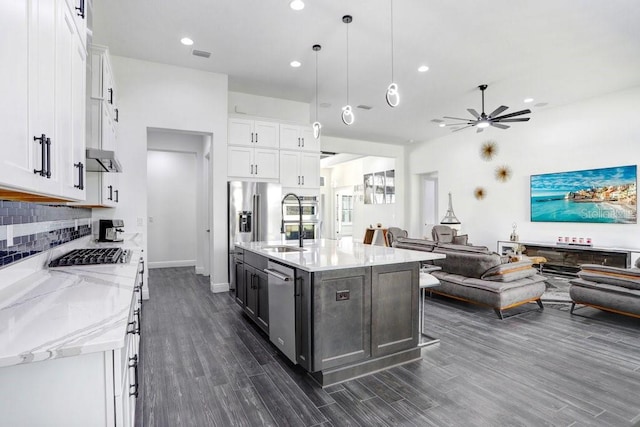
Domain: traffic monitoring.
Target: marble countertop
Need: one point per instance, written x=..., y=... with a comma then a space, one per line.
x=325, y=254
x=67, y=311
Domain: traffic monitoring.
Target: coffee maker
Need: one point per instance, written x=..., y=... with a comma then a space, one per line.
x=108, y=230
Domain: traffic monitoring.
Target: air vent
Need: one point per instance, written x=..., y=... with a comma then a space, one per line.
x=201, y=53
x=364, y=107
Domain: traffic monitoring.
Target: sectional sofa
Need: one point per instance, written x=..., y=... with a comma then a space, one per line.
x=477, y=275
x=607, y=288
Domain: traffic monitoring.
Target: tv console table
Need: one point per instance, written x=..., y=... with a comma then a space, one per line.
x=566, y=259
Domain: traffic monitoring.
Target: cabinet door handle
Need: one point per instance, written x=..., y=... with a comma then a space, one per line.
x=110, y=192
x=117, y=115
x=302, y=179
x=251, y=136
x=48, y=144
x=136, y=313
x=80, y=167
x=43, y=153
x=134, y=365
x=251, y=170
x=131, y=327
x=80, y=9
x=256, y=169
x=256, y=137
x=302, y=142
x=110, y=95
x=298, y=142
x=298, y=179
x=117, y=192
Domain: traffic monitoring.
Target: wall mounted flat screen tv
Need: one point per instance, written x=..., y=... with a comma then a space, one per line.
x=605, y=195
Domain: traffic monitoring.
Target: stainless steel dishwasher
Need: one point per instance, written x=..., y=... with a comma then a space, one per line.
x=282, y=308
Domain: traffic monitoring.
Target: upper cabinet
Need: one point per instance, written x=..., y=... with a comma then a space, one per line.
x=252, y=150
x=253, y=133
x=103, y=188
x=294, y=137
x=42, y=81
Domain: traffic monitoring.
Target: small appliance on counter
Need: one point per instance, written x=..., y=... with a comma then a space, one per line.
x=108, y=230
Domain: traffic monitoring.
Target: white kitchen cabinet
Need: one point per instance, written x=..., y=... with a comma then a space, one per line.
x=253, y=133
x=40, y=85
x=71, y=98
x=294, y=137
x=92, y=389
x=102, y=188
x=299, y=169
x=251, y=162
x=103, y=86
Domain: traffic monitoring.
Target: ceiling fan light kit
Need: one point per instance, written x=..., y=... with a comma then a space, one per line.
x=482, y=121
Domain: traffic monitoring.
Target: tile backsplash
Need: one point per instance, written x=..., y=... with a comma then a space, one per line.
x=30, y=228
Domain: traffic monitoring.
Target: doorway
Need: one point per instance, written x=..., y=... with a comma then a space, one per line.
x=344, y=212
x=429, y=202
x=178, y=203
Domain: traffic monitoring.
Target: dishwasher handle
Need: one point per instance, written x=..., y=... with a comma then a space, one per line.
x=278, y=275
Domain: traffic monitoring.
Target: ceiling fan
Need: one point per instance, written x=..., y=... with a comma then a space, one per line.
x=483, y=120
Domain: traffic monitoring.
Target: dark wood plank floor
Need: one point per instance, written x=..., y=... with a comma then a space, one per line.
x=204, y=364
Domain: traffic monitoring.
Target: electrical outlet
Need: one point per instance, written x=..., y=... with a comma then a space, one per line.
x=342, y=295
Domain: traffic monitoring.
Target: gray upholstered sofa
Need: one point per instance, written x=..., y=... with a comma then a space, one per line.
x=607, y=288
x=476, y=274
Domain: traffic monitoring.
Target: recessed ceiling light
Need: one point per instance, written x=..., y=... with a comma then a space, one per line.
x=296, y=4
x=528, y=100
x=295, y=64
x=423, y=68
x=186, y=41
x=442, y=125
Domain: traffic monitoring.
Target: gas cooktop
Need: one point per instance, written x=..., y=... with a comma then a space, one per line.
x=92, y=257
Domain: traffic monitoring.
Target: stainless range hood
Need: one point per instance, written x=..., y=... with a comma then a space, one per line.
x=102, y=161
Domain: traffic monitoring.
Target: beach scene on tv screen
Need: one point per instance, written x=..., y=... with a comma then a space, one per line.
x=605, y=195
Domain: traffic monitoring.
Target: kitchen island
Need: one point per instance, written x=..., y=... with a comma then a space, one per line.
x=355, y=306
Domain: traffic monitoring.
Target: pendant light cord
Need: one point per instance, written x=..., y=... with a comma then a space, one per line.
x=348, y=63
x=392, y=56
x=316, y=85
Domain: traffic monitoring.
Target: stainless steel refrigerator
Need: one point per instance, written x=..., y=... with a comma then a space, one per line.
x=254, y=214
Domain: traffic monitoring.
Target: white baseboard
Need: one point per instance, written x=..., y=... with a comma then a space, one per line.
x=219, y=287
x=167, y=264
x=199, y=270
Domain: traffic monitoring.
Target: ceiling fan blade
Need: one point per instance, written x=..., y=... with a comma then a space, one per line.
x=498, y=110
x=499, y=126
x=474, y=113
x=461, y=124
x=521, y=119
x=517, y=113
x=458, y=118
x=456, y=130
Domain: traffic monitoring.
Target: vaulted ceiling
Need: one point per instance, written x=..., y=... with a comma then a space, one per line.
x=554, y=51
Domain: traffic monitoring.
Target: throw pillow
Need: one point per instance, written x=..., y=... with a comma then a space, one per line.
x=509, y=272
x=625, y=277
x=461, y=239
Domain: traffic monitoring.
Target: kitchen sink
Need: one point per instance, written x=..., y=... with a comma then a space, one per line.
x=282, y=248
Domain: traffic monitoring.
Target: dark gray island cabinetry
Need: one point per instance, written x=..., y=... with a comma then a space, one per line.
x=356, y=307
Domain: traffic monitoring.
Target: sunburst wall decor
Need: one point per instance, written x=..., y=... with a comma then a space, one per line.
x=488, y=150
x=503, y=173
x=479, y=193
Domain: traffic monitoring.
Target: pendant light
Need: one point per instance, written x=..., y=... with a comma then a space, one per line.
x=392, y=95
x=347, y=112
x=316, y=125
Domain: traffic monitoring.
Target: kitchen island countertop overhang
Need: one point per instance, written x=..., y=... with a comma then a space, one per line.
x=326, y=254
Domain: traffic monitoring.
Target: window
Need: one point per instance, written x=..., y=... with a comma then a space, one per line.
x=346, y=209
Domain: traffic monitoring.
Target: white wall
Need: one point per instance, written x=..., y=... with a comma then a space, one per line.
x=152, y=95
x=268, y=108
x=389, y=156
x=172, y=192
x=350, y=174
x=599, y=132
